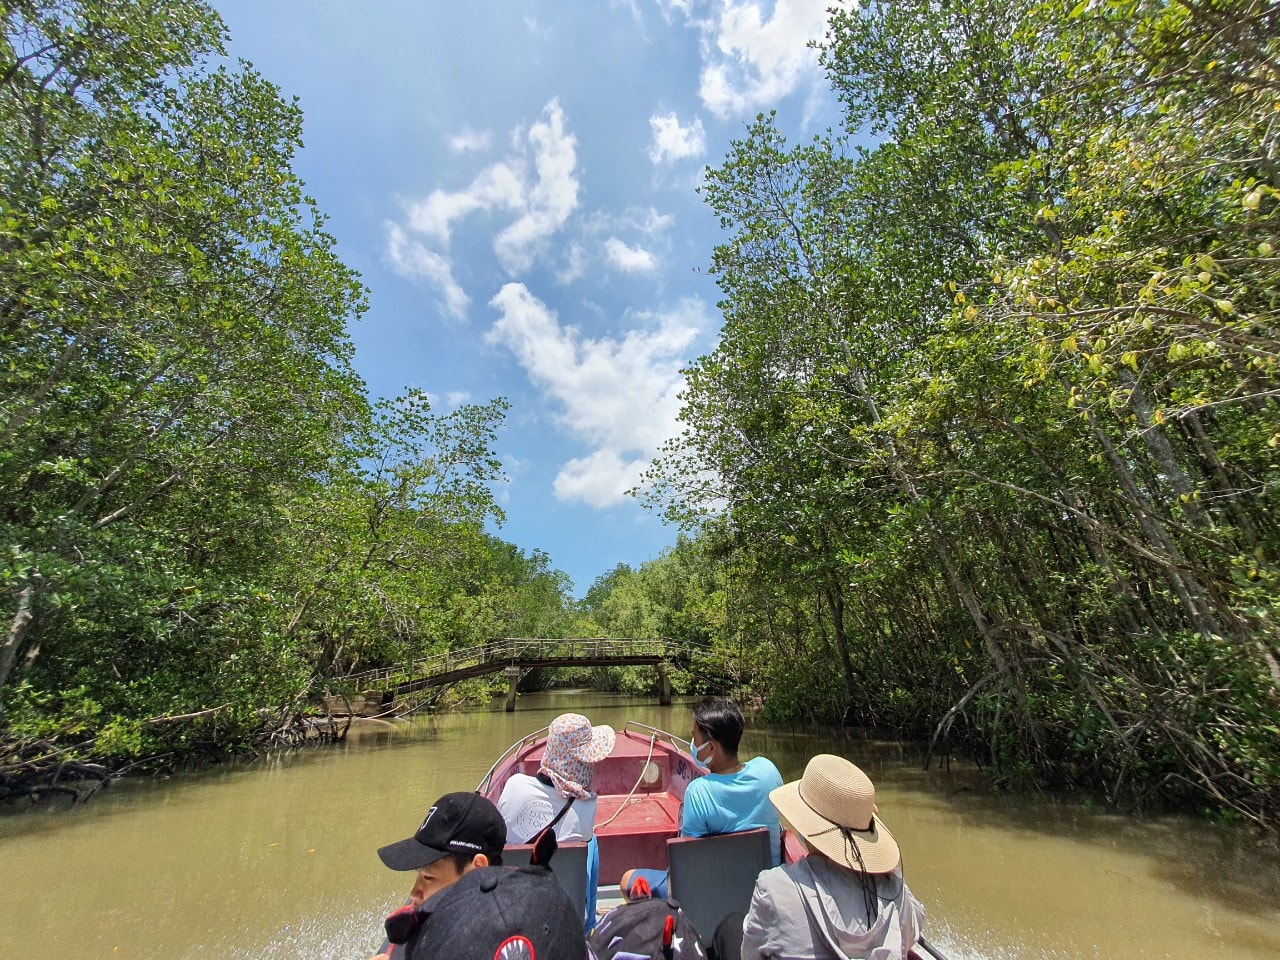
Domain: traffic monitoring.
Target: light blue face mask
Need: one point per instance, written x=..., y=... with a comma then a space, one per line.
x=695, y=754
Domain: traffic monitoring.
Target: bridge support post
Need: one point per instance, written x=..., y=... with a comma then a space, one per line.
x=664, y=685
x=513, y=678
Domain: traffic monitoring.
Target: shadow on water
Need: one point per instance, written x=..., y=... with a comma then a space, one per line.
x=120, y=798
x=387, y=739
x=1229, y=867
x=283, y=850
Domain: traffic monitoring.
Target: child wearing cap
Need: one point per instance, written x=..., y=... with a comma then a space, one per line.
x=461, y=832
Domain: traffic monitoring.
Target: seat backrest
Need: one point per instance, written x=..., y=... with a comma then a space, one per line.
x=713, y=876
x=568, y=863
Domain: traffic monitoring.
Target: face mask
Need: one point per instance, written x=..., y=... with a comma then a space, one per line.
x=695, y=753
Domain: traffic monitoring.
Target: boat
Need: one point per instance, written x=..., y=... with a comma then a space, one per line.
x=639, y=788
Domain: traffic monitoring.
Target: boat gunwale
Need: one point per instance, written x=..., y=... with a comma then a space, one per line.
x=632, y=729
x=610, y=895
x=510, y=754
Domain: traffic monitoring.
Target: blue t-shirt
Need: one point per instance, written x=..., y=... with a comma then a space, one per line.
x=728, y=802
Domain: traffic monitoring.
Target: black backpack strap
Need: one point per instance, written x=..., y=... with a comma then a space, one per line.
x=544, y=841
x=563, y=811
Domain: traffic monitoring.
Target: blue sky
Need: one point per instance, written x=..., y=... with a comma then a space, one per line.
x=515, y=180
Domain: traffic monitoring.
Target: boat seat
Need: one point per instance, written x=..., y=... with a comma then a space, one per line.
x=712, y=876
x=569, y=864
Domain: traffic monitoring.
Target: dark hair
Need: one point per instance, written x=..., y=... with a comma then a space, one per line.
x=721, y=720
x=463, y=860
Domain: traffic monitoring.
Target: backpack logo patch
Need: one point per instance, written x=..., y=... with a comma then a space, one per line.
x=516, y=948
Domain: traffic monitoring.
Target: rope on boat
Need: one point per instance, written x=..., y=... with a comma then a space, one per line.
x=636, y=786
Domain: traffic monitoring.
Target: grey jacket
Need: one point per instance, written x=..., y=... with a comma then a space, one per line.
x=814, y=910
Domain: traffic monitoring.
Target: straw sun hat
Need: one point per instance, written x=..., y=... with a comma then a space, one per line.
x=833, y=807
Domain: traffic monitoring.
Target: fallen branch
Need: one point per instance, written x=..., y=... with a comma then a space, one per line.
x=944, y=725
x=175, y=717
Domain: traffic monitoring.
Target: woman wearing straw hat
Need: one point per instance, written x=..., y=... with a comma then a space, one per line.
x=847, y=898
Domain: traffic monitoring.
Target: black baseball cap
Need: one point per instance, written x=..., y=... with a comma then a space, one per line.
x=500, y=913
x=456, y=823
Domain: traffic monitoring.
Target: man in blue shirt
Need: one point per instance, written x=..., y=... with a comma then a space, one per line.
x=731, y=796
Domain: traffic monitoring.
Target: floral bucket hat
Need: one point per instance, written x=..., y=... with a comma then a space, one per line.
x=573, y=746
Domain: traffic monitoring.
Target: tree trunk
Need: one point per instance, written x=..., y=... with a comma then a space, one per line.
x=1161, y=450
x=18, y=627
x=1214, y=467
x=1133, y=612
x=835, y=605
x=1192, y=595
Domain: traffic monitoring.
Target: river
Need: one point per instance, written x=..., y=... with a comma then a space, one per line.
x=276, y=859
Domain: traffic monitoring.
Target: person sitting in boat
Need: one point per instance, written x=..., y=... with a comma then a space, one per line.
x=562, y=786
x=730, y=797
x=460, y=833
x=561, y=794
x=845, y=899
x=516, y=913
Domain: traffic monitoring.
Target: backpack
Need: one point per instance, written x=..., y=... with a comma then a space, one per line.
x=646, y=930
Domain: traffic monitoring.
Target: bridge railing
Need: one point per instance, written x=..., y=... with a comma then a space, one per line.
x=518, y=649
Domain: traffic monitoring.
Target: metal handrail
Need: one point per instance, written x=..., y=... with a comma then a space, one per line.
x=511, y=751
x=511, y=647
x=631, y=726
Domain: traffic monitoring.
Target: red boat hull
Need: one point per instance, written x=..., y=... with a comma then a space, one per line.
x=639, y=788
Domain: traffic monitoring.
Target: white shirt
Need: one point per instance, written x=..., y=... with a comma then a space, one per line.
x=528, y=805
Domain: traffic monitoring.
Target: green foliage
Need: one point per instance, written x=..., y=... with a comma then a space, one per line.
x=990, y=437
x=205, y=520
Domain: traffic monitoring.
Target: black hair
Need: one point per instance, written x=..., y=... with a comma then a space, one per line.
x=720, y=720
x=463, y=860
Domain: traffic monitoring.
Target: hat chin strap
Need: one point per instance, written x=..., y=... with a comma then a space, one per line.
x=869, y=898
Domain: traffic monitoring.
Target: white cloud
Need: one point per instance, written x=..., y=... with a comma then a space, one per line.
x=551, y=198
x=575, y=264
x=499, y=186
x=752, y=59
x=672, y=142
x=469, y=141
x=632, y=7
x=411, y=259
x=601, y=230
x=599, y=480
x=629, y=259
x=538, y=183
x=536, y=28
x=667, y=6
x=618, y=396
x=456, y=398
x=647, y=220
x=655, y=222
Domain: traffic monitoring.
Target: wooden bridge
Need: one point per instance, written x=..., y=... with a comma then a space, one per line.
x=513, y=655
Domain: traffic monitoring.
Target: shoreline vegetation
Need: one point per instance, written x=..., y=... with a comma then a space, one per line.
x=988, y=453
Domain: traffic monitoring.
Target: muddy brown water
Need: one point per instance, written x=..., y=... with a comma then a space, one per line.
x=275, y=859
